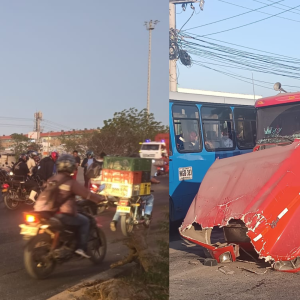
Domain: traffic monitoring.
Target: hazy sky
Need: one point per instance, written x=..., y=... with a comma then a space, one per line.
x=275, y=35
x=80, y=61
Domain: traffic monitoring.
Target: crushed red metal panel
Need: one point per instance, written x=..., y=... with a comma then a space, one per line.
x=261, y=189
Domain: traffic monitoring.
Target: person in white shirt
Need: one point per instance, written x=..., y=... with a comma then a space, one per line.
x=226, y=141
x=31, y=161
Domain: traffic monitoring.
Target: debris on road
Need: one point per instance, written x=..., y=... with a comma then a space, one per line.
x=225, y=270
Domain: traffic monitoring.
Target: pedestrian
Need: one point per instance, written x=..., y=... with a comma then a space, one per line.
x=77, y=160
x=89, y=159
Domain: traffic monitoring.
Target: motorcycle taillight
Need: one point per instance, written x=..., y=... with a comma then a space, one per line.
x=5, y=185
x=30, y=218
x=123, y=202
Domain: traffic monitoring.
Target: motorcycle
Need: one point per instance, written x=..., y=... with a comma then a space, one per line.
x=162, y=168
x=132, y=213
x=49, y=242
x=17, y=193
x=109, y=200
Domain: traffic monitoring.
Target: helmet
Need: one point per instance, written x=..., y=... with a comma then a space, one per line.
x=32, y=154
x=23, y=156
x=54, y=155
x=90, y=153
x=66, y=163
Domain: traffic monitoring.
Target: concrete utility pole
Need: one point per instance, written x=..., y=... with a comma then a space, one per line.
x=172, y=25
x=149, y=26
x=38, y=118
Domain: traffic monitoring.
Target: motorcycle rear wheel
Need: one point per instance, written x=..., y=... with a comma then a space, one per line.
x=126, y=224
x=97, y=246
x=37, y=265
x=10, y=203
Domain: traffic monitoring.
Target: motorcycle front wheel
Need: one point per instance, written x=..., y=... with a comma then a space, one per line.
x=97, y=246
x=127, y=223
x=10, y=203
x=37, y=261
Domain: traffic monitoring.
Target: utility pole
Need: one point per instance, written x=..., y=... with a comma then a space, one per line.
x=172, y=25
x=149, y=26
x=172, y=63
x=38, y=118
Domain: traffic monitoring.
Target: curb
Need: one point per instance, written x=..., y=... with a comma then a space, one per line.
x=77, y=290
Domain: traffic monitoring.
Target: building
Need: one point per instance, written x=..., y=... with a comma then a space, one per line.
x=51, y=139
x=213, y=97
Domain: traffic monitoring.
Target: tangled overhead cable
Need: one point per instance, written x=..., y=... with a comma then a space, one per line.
x=175, y=50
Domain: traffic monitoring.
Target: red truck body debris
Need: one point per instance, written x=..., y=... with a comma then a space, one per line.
x=255, y=198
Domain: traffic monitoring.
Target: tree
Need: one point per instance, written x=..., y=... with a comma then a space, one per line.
x=122, y=134
x=78, y=142
x=20, y=143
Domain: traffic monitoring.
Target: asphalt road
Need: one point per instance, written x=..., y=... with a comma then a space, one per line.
x=15, y=284
x=246, y=279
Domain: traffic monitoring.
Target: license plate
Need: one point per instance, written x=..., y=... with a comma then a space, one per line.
x=124, y=209
x=28, y=230
x=4, y=191
x=185, y=173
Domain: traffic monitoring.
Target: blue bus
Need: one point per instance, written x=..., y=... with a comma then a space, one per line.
x=200, y=132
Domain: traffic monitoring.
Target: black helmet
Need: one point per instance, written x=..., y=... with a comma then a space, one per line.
x=23, y=156
x=32, y=154
x=90, y=153
x=66, y=163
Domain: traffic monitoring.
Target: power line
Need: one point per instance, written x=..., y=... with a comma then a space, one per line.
x=272, y=83
x=240, y=58
x=278, y=7
x=251, y=23
x=262, y=12
x=253, y=10
x=59, y=125
x=187, y=20
x=232, y=76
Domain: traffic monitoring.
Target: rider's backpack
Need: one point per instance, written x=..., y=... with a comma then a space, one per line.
x=48, y=199
x=94, y=169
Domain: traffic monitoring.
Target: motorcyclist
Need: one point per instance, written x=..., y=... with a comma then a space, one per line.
x=31, y=161
x=66, y=201
x=21, y=172
x=47, y=166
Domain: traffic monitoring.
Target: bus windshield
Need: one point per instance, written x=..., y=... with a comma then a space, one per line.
x=278, y=122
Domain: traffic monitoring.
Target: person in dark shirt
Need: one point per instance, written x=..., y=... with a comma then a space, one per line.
x=77, y=160
x=89, y=159
x=21, y=173
x=46, y=167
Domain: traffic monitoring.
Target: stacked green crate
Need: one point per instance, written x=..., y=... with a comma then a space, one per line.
x=127, y=163
x=135, y=164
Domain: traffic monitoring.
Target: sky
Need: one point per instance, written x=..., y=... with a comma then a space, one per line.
x=275, y=35
x=79, y=62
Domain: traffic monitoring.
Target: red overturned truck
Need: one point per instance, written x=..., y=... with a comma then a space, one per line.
x=255, y=197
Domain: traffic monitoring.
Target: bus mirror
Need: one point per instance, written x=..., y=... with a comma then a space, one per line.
x=277, y=87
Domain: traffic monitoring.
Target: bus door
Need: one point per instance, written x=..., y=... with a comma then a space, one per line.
x=185, y=157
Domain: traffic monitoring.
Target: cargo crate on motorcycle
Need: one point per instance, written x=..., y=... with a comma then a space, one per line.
x=126, y=177
x=127, y=163
x=121, y=190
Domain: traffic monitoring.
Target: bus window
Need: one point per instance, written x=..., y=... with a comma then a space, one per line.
x=217, y=128
x=186, y=127
x=245, y=125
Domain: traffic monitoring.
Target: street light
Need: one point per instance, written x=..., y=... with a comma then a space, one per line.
x=149, y=26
